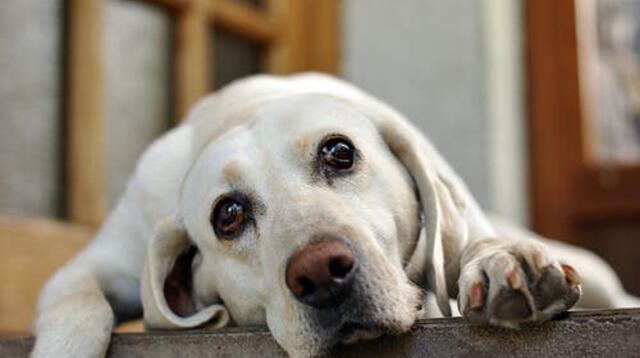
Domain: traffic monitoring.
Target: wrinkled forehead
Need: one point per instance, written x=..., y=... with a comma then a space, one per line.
x=277, y=139
x=281, y=133
x=303, y=116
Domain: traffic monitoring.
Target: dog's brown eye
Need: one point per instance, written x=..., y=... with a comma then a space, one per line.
x=228, y=218
x=338, y=153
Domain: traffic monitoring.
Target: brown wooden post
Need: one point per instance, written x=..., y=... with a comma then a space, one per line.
x=242, y=20
x=286, y=53
x=307, y=36
x=85, y=151
x=322, y=30
x=554, y=117
x=193, y=68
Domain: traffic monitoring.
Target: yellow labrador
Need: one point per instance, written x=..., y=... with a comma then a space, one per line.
x=307, y=205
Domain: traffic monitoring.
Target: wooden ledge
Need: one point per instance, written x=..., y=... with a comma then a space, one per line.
x=605, y=333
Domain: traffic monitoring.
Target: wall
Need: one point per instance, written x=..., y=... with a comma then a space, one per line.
x=452, y=67
x=508, y=155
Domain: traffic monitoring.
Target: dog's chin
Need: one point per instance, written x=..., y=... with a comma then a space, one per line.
x=370, y=311
x=317, y=337
x=352, y=332
x=354, y=328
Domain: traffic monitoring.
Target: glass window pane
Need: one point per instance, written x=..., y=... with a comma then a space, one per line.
x=138, y=51
x=31, y=93
x=254, y=3
x=609, y=40
x=234, y=57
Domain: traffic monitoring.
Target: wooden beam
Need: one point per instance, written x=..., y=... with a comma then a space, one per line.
x=286, y=53
x=193, y=65
x=30, y=251
x=135, y=326
x=322, y=30
x=243, y=20
x=170, y=4
x=554, y=117
x=85, y=152
x=608, y=194
x=307, y=36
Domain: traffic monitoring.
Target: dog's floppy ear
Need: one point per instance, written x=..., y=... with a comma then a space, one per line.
x=443, y=208
x=167, y=282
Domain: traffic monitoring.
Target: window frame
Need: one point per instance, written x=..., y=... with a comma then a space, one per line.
x=297, y=35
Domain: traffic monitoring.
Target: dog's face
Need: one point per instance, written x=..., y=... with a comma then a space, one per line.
x=302, y=218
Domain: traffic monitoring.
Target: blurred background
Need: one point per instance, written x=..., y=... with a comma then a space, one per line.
x=535, y=103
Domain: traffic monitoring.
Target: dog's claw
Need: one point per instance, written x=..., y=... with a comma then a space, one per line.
x=515, y=279
x=476, y=296
x=539, y=261
x=571, y=275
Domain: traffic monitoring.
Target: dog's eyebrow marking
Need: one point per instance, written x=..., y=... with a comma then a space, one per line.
x=302, y=143
x=233, y=171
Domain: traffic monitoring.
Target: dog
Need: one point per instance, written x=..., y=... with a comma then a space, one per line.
x=305, y=204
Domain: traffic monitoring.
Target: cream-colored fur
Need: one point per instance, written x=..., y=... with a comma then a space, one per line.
x=410, y=219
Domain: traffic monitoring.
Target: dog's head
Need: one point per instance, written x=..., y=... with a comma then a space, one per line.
x=307, y=216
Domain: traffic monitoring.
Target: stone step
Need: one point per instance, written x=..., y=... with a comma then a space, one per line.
x=602, y=333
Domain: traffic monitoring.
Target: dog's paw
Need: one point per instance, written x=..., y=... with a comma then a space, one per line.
x=516, y=283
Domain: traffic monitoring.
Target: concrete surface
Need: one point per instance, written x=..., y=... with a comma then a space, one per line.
x=606, y=333
x=427, y=59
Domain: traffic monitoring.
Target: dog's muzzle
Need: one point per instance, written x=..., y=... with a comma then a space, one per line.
x=322, y=274
x=341, y=293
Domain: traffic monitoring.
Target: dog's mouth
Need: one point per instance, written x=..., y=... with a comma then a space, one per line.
x=362, y=317
x=352, y=332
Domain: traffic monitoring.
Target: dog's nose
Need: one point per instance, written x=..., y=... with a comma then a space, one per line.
x=322, y=274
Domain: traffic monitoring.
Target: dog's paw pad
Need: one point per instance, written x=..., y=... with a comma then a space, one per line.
x=548, y=287
x=516, y=284
x=511, y=305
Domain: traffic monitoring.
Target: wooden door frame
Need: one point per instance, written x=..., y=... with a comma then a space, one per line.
x=567, y=190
